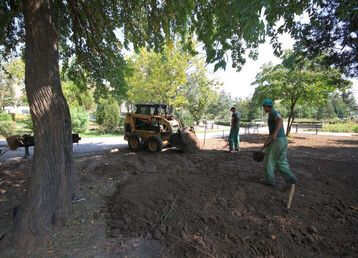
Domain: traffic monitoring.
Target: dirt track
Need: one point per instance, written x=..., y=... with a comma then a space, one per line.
x=208, y=204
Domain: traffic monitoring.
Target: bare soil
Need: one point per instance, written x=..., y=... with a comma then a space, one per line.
x=206, y=204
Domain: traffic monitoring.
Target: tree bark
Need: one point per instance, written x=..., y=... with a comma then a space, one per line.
x=48, y=201
x=291, y=118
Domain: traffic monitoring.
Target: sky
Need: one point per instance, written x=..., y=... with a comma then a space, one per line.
x=238, y=84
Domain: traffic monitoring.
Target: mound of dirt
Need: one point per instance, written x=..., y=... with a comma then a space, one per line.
x=207, y=204
x=190, y=143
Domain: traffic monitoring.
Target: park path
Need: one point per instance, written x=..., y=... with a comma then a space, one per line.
x=93, y=145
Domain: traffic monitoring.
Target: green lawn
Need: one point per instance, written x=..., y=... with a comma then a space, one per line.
x=341, y=127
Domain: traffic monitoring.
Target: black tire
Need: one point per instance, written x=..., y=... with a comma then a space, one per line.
x=154, y=144
x=134, y=143
x=175, y=140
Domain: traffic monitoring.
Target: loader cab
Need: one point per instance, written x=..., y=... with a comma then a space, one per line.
x=152, y=109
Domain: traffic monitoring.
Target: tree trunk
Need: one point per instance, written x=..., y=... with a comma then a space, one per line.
x=48, y=201
x=291, y=118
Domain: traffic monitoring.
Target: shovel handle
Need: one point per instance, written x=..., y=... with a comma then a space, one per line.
x=290, y=197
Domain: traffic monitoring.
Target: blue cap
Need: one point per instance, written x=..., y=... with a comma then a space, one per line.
x=267, y=103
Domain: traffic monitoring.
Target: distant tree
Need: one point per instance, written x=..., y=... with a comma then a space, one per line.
x=77, y=97
x=199, y=90
x=7, y=92
x=108, y=115
x=158, y=77
x=219, y=107
x=12, y=76
x=298, y=80
x=79, y=119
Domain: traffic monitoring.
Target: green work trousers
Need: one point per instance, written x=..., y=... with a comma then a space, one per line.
x=234, y=139
x=276, y=157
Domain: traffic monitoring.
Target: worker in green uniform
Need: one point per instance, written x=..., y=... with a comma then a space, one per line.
x=234, y=140
x=276, y=148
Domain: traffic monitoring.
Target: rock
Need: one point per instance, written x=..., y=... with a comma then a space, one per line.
x=236, y=213
x=312, y=230
x=163, y=228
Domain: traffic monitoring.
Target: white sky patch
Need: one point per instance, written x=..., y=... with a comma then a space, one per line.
x=238, y=84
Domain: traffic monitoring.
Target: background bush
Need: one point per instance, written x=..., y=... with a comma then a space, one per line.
x=342, y=127
x=108, y=116
x=5, y=117
x=7, y=128
x=80, y=120
x=28, y=124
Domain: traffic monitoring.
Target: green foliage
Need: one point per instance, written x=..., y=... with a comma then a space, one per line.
x=7, y=128
x=185, y=116
x=298, y=81
x=341, y=127
x=331, y=29
x=219, y=107
x=158, y=77
x=11, y=80
x=249, y=111
x=28, y=124
x=96, y=31
x=199, y=90
x=108, y=115
x=5, y=117
x=79, y=119
x=77, y=97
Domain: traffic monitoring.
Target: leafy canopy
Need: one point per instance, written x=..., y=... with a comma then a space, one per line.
x=332, y=31
x=298, y=80
x=158, y=77
x=200, y=91
x=98, y=31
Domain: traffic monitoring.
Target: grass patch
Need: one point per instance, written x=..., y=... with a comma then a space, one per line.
x=345, y=127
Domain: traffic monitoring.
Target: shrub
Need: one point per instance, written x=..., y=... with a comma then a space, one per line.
x=108, y=115
x=222, y=123
x=80, y=120
x=342, y=127
x=5, y=117
x=7, y=128
x=355, y=129
x=28, y=124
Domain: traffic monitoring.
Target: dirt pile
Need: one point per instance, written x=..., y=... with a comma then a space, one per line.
x=210, y=204
x=207, y=204
x=190, y=142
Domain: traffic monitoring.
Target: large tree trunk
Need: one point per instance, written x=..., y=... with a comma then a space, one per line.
x=48, y=201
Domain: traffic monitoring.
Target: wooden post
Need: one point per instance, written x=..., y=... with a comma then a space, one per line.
x=204, y=135
x=27, y=152
x=290, y=197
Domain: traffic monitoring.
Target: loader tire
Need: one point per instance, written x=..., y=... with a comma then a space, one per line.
x=155, y=144
x=134, y=143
